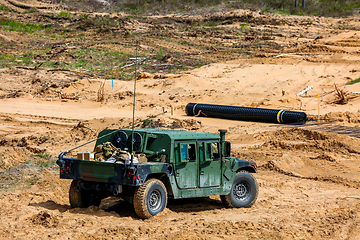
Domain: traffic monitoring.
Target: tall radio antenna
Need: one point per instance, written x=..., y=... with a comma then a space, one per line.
x=133, y=118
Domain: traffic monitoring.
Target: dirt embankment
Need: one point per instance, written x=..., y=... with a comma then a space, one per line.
x=308, y=175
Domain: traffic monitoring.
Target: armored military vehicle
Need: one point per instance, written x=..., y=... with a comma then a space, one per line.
x=147, y=166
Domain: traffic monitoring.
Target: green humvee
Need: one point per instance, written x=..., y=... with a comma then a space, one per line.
x=164, y=164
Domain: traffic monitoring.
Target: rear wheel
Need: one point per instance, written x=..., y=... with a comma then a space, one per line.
x=80, y=198
x=150, y=198
x=75, y=195
x=244, y=191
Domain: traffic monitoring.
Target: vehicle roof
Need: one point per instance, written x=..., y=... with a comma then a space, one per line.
x=178, y=134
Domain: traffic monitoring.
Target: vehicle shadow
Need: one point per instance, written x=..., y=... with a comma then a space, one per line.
x=194, y=204
x=123, y=209
x=107, y=207
x=51, y=205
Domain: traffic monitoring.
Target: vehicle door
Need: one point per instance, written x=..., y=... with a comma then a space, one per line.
x=186, y=164
x=209, y=164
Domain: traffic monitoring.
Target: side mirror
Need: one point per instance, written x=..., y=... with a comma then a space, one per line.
x=227, y=149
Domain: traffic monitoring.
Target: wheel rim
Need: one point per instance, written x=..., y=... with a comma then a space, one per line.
x=154, y=200
x=241, y=191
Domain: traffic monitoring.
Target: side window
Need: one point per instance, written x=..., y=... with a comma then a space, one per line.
x=184, y=153
x=211, y=151
x=187, y=152
x=208, y=154
x=215, y=150
x=192, y=152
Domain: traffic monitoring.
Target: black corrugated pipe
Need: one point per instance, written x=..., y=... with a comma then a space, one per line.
x=245, y=113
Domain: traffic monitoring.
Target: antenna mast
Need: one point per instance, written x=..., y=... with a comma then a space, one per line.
x=133, y=120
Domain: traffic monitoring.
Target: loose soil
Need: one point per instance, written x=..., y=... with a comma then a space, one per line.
x=309, y=175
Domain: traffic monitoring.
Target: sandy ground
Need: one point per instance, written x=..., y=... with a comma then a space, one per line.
x=309, y=175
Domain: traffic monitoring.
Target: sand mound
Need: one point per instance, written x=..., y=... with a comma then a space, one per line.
x=349, y=117
x=315, y=48
x=44, y=219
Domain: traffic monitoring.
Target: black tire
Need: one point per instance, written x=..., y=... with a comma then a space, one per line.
x=150, y=198
x=80, y=198
x=75, y=195
x=244, y=191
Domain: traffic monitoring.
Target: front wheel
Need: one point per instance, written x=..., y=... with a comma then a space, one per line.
x=150, y=198
x=244, y=191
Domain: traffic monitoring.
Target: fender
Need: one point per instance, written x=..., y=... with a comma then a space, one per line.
x=239, y=165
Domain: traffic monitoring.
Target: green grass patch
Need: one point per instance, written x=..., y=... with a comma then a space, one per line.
x=47, y=163
x=210, y=23
x=353, y=81
x=41, y=155
x=105, y=63
x=244, y=26
x=11, y=61
x=312, y=7
x=283, y=7
x=30, y=10
x=20, y=27
x=282, y=12
x=184, y=42
x=199, y=65
x=160, y=54
x=64, y=14
x=25, y=175
x=84, y=15
x=4, y=8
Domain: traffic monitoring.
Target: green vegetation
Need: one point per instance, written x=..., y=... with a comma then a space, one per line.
x=4, y=8
x=26, y=174
x=283, y=7
x=41, y=155
x=20, y=27
x=30, y=10
x=48, y=163
x=199, y=65
x=105, y=63
x=84, y=15
x=145, y=6
x=312, y=7
x=9, y=61
x=281, y=12
x=210, y=24
x=160, y=54
x=244, y=26
x=184, y=42
x=64, y=14
x=353, y=81
x=101, y=24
